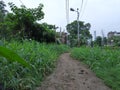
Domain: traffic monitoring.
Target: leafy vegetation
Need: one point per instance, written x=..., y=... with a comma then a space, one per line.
x=84, y=32
x=114, y=40
x=24, y=62
x=100, y=41
x=104, y=62
x=42, y=58
x=22, y=23
x=10, y=55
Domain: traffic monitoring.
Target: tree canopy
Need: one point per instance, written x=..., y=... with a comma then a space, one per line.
x=2, y=16
x=22, y=24
x=2, y=8
x=84, y=28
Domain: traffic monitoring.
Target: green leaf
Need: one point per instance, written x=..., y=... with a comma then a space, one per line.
x=12, y=56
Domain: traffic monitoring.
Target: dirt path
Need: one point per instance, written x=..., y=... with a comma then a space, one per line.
x=72, y=75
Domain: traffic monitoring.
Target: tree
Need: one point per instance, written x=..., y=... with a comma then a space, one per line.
x=2, y=15
x=11, y=26
x=43, y=34
x=84, y=32
x=2, y=10
x=25, y=19
x=116, y=40
x=105, y=41
x=22, y=24
x=49, y=26
x=98, y=41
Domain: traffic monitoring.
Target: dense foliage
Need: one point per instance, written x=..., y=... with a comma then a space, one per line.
x=100, y=41
x=22, y=24
x=114, y=40
x=24, y=62
x=104, y=62
x=2, y=16
x=72, y=28
x=14, y=75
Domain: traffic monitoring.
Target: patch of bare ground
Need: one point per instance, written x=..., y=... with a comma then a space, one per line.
x=72, y=75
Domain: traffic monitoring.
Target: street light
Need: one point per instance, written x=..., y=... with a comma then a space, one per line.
x=78, y=31
x=71, y=9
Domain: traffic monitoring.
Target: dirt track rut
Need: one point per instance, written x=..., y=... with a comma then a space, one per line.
x=72, y=75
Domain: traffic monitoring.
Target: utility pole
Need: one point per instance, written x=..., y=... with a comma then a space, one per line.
x=60, y=32
x=78, y=25
x=94, y=35
x=102, y=37
x=67, y=11
x=67, y=17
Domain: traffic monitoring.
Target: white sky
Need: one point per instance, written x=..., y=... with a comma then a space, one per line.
x=101, y=14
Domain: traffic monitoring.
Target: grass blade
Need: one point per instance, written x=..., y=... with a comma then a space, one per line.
x=12, y=56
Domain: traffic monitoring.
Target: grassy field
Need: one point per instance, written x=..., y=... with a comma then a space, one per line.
x=104, y=62
x=40, y=56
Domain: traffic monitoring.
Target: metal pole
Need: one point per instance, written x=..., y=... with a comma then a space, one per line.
x=78, y=31
x=78, y=27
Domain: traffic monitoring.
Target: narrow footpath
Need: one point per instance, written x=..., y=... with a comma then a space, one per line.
x=72, y=75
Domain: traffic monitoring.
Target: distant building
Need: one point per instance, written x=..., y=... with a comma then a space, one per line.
x=111, y=36
x=62, y=36
x=117, y=34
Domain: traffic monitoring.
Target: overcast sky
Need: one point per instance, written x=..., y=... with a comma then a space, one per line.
x=101, y=14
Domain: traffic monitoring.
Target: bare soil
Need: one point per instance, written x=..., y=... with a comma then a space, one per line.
x=72, y=75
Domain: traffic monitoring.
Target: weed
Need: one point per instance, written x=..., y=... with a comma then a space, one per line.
x=41, y=57
x=104, y=62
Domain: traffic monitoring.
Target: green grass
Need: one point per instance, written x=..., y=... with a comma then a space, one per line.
x=104, y=62
x=41, y=57
x=13, y=57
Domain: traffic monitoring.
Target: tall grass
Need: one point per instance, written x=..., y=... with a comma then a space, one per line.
x=104, y=62
x=12, y=56
x=41, y=57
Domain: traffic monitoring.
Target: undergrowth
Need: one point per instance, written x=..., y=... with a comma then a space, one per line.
x=104, y=62
x=40, y=56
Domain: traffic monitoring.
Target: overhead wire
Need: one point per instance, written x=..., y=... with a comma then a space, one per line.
x=81, y=7
x=66, y=8
x=67, y=17
x=67, y=11
x=22, y=2
x=84, y=9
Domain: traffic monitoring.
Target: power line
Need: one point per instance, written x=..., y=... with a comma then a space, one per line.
x=67, y=16
x=81, y=7
x=67, y=11
x=21, y=2
x=66, y=8
x=84, y=8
